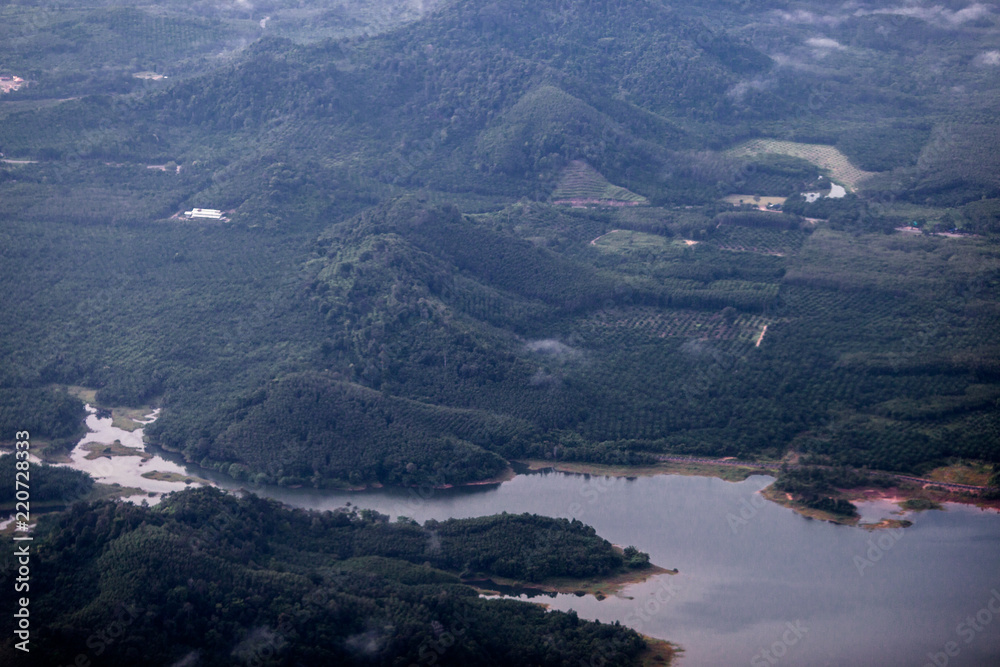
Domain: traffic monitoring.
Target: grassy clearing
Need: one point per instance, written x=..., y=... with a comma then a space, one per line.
x=85, y=394
x=726, y=473
x=920, y=504
x=102, y=491
x=127, y=419
x=124, y=418
x=627, y=241
x=97, y=450
x=886, y=523
x=754, y=200
x=977, y=474
x=161, y=476
x=828, y=158
x=45, y=450
x=97, y=492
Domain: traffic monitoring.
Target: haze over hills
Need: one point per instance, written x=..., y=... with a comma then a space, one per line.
x=457, y=234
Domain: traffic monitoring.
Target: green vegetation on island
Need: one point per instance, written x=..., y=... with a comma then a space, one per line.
x=248, y=578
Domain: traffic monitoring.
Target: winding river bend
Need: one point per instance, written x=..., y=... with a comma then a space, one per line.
x=758, y=584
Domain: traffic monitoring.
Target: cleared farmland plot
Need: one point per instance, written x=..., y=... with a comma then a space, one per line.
x=825, y=157
x=753, y=200
x=582, y=184
x=624, y=240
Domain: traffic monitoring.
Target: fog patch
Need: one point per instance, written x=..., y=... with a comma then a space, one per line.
x=433, y=543
x=261, y=640
x=367, y=644
x=190, y=660
x=543, y=378
x=803, y=16
x=937, y=15
x=788, y=62
x=699, y=348
x=825, y=44
x=550, y=347
x=739, y=90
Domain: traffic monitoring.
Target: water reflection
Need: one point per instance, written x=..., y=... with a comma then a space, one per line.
x=126, y=470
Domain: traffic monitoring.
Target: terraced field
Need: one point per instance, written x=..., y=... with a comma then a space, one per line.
x=581, y=184
x=825, y=157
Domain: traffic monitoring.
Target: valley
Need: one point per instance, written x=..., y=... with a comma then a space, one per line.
x=405, y=266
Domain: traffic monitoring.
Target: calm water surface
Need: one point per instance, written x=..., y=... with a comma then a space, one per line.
x=758, y=584
x=754, y=576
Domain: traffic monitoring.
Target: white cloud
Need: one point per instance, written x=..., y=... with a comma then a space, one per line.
x=988, y=58
x=970, y=13
x=806, y=17
x=783, y=60
x=741, y=88
x=824, y=43
x=937, y=14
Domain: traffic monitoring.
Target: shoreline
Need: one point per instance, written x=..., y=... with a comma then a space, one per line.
x=898, y=494
x=600, y=587
x=726, y=469
x=728, y=473
x=659, y=652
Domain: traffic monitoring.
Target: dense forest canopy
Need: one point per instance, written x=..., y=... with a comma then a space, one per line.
x=222, y=579
x=394, y=289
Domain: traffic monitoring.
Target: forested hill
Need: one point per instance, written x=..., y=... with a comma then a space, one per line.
x=495, y=98
x=451, y=342
x=513, y=90
x=224, y=579
x=396, y=298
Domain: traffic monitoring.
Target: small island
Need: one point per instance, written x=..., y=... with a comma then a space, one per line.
x=507, y=552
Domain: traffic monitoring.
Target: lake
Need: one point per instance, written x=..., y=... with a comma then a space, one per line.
x=758, y=584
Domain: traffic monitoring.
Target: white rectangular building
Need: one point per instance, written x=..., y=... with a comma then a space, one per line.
x=204, y=213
